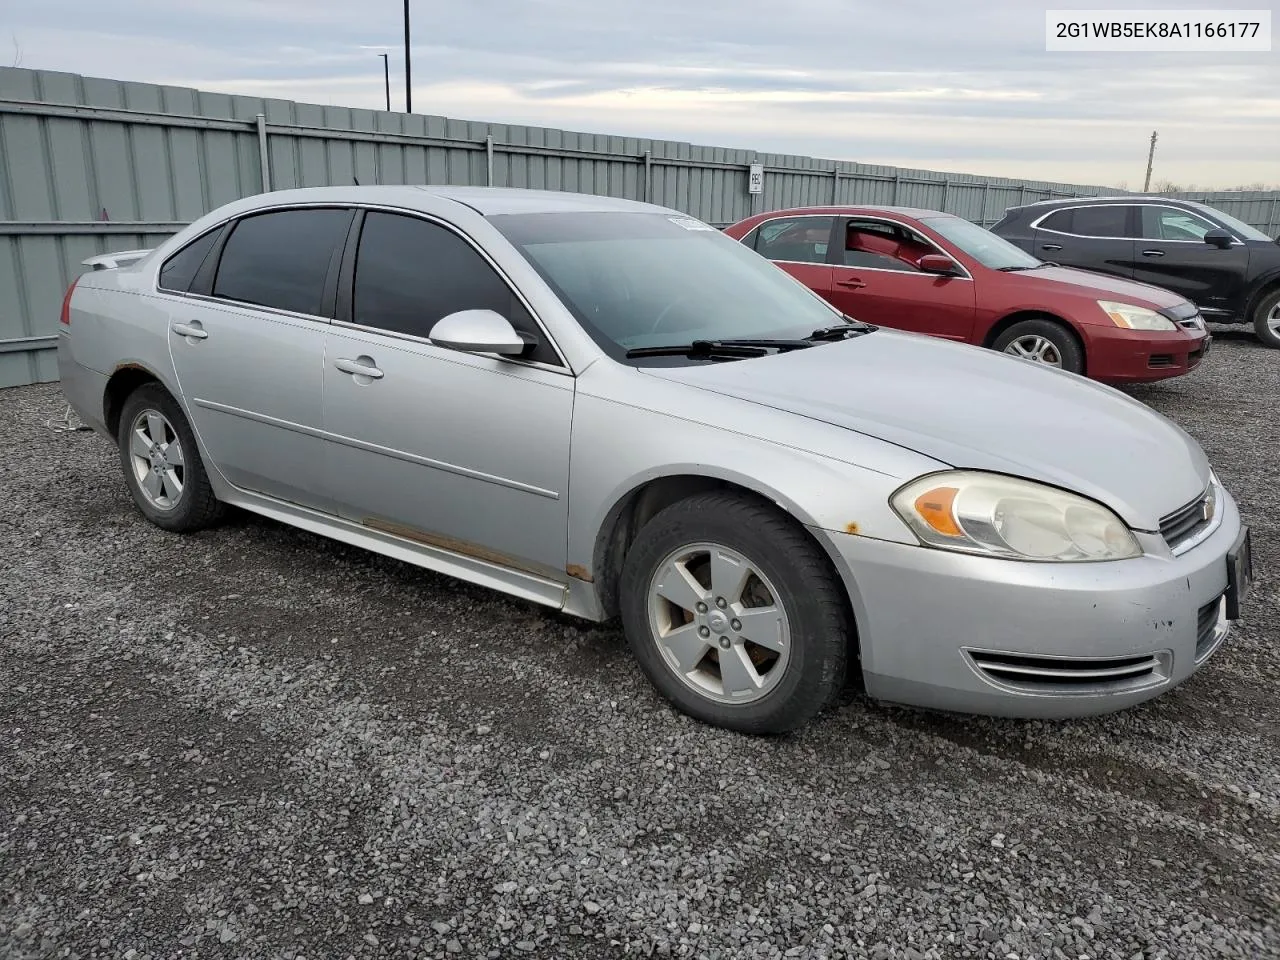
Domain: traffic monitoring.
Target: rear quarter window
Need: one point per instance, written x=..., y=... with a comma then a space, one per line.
x=181, y=268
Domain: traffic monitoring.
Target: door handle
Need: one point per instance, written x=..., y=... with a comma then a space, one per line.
x=1153, y=253
x=192, y=330
x=1050, y=246
x=852, y=283
x=359, y=368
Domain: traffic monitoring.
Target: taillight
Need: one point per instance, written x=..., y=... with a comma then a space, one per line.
x=65, y=319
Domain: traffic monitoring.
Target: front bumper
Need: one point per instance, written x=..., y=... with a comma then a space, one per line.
x=1119, y=356
x=1005, y=638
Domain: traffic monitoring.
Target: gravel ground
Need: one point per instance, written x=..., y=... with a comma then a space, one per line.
x=254, y=742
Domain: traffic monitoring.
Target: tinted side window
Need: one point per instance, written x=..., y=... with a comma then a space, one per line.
x=1060, y=221
x=797, y=239
x=180, y=269
x=1170, y=223
x=411, y=272
x=1102, y=221
x=281, y=259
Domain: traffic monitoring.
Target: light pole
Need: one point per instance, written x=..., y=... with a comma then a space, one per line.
x=408, y=69
x=386, y=78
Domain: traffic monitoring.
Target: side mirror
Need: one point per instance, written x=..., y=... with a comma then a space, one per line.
x=478, y=331
x=1218, y=238
x=937, y=263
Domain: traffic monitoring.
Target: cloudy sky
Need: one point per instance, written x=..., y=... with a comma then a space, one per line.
x=962, y=86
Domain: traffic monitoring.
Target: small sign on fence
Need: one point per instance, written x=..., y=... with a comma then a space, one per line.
x=755, y=180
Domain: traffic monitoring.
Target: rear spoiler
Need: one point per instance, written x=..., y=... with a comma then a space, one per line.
x=110, y=261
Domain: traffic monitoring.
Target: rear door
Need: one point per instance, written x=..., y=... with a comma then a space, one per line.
x=877, y=280
x=247, y=342
x=1172, y=254
x=1099, y=237
x=799, y=246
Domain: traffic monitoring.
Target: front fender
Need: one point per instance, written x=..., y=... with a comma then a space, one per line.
x=618, y=448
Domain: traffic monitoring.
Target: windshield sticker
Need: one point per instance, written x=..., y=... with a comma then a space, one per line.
x=689, y=223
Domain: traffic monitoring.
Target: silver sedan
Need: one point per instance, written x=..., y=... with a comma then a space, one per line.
x=612, y=409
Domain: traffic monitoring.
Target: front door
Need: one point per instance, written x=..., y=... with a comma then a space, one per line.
x=249, y=357
x=463, y=452
x=1173, y=254
x=877, y=280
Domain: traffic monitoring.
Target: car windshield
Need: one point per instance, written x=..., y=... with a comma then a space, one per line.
x=1238, y=227
x=981, y=244
x=636, y=280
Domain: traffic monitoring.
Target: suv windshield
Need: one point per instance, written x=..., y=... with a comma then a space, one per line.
x=638, y=280
x=1238, y=227
x=981, y=244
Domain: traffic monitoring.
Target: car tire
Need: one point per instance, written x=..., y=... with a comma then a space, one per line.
x=1266, y=319
x=161, y=462
x=775, y=582
x=1032, y=339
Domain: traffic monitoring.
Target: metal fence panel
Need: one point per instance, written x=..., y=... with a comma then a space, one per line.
x=89, y=165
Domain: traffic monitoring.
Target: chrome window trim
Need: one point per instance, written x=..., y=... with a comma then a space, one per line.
x=1035, y=224
x=241, y=305
x=385, y=208
x=850, y=216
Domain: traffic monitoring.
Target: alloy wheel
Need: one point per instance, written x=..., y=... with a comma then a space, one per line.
x=1273, y=320
x=1037, y=349
x=717, y=623
x=156, y=455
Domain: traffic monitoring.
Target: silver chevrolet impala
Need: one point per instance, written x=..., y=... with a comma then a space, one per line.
x=611, y=409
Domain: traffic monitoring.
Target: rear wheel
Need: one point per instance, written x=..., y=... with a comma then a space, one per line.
x=1266, y=319
x=735, y=614
x=1042, y=341
x=161, y=463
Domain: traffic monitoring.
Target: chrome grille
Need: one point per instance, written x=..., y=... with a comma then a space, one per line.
x=1183, y=524
x=1071, y=675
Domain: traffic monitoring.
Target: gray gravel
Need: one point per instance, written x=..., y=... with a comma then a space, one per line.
x=257, y=743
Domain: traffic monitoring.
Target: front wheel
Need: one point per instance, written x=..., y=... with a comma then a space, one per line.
x=735, y=614
x=1266, y=319
x=1042, y=341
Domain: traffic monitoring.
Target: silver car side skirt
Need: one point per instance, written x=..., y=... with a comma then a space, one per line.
x=430, y=556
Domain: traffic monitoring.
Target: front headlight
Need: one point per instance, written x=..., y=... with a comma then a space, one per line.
x=1000, y=516
x=1135, y=318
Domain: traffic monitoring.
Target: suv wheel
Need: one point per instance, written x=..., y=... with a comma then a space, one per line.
x=161, y=462
x=735, y=614
x=1042, y=341
x=1266, y=319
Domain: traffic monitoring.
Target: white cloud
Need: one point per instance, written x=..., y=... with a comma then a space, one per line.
x=918, y=83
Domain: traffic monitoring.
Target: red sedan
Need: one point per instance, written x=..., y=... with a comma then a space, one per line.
x=941, y=275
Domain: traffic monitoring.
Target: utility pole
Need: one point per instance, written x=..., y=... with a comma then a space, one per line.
x=1151, y=157
x=408, y=69
x=386, y=77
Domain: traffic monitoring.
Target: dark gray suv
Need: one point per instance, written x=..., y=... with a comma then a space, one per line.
x=1221, y=264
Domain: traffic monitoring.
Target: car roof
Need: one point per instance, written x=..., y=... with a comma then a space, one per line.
x=487, y=201
x=868, y=208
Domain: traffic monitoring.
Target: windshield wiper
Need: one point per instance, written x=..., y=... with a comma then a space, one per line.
x=1037, y=266
x=702, y=350
x=853, y=328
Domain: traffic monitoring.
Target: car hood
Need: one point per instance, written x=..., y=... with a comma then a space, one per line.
x=977, y=409
x=1103, y=287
